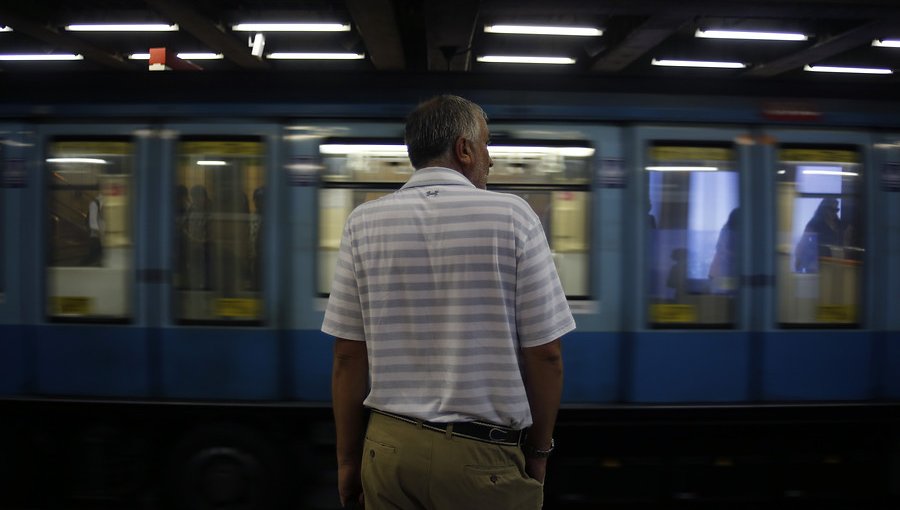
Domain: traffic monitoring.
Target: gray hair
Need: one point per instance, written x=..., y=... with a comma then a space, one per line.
x=433, y=127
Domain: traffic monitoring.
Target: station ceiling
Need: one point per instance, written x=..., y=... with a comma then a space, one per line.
x=435, y=37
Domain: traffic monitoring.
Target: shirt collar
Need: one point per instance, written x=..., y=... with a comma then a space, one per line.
x=436, y=176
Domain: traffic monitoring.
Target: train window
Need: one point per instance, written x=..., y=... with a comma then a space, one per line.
x=89, y=256
x=554, y=178
x=692, y=234
x=218, y=230
x=819, y=246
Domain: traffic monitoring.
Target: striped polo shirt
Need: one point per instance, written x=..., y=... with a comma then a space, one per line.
x=446, y=283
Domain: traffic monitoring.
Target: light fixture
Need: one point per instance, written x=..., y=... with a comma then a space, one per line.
x=291, y=27
x=887, y=43
x=183, y=56
x=543, y=30
x=510, y=59
x=77, y=160
x=123, y=27
x=315, y=56
x=43, y=57
x=5, y=28
x=851, y=70
x=200, y=56
x=698, y=63
x=750, y=35
x=211, y=162
x=668, y=168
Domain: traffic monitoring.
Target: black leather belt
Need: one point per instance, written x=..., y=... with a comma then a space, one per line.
x=475, y=430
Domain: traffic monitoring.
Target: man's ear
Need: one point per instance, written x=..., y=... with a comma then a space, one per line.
x=463, y=151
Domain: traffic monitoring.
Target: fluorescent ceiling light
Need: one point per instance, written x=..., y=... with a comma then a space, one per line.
x=887, y=43
x=183, y=56
x=5, y=29
x=316, y=56
x=77, y=160
x=525, y=60
x=200, y=56
x=667, y=168
x=126, y=27
x=830, y=172
x=211, y=162
x=543, y=30
x=852, y=70
x=698, y=63
x=756, y=36
x=291, y=27
x=42, y=57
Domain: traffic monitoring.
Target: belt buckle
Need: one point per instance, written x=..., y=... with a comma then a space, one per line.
x=501, y=431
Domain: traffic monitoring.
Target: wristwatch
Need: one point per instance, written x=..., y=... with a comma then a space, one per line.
x=535, y=453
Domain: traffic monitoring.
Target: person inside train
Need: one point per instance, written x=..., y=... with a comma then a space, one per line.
x=723, y=270
x=199, y=252
x=678, y=275
x=256, y=238
x=823, y=233
x=448, y=330
x=182, y=205
x=96, y=226
x=230, y=232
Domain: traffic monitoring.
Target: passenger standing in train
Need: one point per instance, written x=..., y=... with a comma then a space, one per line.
x=823, y=233
x=723, y=270
x=96, y=227
x=256, y=238
x=198, y=238
x=448, y=314
x=182, y=206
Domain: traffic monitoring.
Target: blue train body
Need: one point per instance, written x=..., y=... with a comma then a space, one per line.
x=620, y=357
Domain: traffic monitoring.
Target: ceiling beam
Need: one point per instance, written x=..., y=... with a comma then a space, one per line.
x=376, y=23
x=50, y=36
x=207, y=32
x=450, y=29
x=829, y=47
x=639, y=41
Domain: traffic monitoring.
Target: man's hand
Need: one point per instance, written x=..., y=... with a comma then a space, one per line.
x=350, y=485
x=536, y=468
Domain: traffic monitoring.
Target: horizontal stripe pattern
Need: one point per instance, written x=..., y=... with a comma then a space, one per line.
x=446, y=283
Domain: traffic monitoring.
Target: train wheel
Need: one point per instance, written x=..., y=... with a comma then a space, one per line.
x=225, y=467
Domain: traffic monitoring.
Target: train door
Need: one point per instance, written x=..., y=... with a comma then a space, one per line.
x=81, y=223
x=821, y=300
x=220, y=251
x=687, y=226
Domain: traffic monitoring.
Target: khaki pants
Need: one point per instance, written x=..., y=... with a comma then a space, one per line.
x=405, y=467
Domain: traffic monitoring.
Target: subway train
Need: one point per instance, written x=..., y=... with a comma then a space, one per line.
x=732, y=263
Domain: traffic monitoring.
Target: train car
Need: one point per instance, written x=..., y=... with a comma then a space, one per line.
x=732, y=263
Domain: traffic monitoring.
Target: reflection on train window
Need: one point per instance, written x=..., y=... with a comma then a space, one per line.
x=554, y=178
x=89, y=273
x=820, y=240
x=693, y=237
x=218, y=243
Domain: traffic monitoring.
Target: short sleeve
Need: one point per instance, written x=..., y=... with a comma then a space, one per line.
x=343, y=314
x=542, y=311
